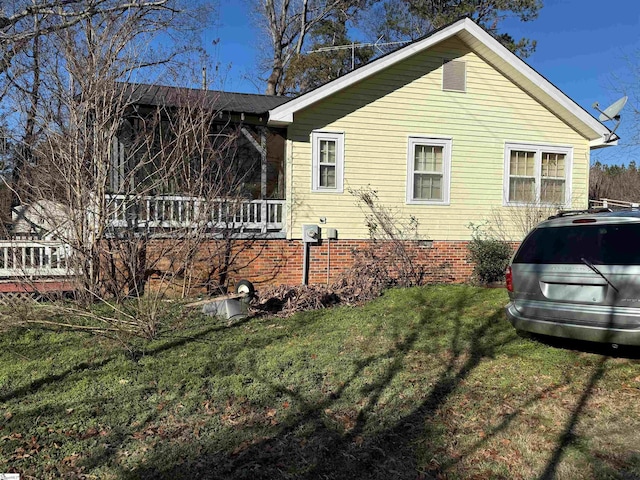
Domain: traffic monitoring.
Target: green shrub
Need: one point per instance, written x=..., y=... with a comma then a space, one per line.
x=489, y=256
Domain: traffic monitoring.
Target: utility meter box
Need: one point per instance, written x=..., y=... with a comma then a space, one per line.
x=310, y=233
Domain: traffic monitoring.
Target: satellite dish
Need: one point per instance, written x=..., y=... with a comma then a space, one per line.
x=612, y=112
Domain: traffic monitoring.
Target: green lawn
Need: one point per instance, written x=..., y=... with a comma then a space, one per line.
x=422, y=383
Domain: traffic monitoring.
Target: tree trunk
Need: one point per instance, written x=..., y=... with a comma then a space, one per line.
x=274, y=81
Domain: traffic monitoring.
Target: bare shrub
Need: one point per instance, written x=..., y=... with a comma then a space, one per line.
x=396, y=233
x=513, y=223
x=366, y=280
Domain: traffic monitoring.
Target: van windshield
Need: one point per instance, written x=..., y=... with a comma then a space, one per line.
x=613, y=244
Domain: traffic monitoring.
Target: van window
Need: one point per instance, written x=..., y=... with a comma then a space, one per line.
x=612, y=244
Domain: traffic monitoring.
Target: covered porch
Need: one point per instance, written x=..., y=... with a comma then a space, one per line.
x=138, y=196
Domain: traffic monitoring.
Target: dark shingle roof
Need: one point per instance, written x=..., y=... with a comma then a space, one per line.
x=159, y=95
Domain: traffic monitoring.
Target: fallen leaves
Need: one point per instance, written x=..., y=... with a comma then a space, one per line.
x=25, y=448
x=209, y=409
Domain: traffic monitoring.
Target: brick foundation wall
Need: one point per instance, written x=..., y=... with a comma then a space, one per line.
x=275, y=262
x=279, y=261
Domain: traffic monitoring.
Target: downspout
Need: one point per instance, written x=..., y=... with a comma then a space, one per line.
x=288, y=187
x=328, y=258
x=305, y=263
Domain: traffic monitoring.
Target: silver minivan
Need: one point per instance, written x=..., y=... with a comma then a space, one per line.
x=577, y=275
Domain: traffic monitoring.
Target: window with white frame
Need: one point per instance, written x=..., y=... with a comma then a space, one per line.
x=428, y=167
x=328, y=161
x=537, y=174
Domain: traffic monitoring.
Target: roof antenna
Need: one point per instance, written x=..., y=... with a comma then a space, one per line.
x=611, y=113
x=204, y=78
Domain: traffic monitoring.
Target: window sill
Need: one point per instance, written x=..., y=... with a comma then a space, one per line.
x=428, y=202
x=327, y=190
x=534, y=205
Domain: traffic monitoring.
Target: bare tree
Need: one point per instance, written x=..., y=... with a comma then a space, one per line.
x=103, y=174
x=30, y=31
x=23, y=21
x=287, y=24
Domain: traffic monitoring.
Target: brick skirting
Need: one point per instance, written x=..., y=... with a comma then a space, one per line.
x=275, y=262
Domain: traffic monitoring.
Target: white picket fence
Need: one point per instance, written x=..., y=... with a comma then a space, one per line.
x=174, y=211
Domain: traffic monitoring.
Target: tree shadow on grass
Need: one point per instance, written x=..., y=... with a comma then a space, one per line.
x=36, y=385
x=568, y=436
x=310, y=444
x=171, y=342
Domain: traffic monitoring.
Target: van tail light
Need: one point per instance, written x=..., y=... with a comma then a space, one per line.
x=508, y=277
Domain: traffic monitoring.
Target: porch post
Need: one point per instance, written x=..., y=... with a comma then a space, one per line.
x=263, y=178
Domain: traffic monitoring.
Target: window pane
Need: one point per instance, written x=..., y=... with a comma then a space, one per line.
x=327, y=176
x=420, y=158
x=552, y=191
x=522, y=163
x=436, y=188
x=522, y=190
x=328, y=151
x=553, y=164
x=427, y=187
x=427, y=158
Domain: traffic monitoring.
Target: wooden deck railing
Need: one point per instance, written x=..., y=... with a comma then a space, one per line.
x=174, y=211
x=609, y=203
x=33, y=258
x=22, y=258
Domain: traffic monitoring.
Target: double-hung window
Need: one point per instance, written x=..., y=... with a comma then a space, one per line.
x=428, y=167
x=328, y=161
x=537, y=174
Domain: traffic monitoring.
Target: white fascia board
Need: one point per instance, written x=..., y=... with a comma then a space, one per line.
x=542, y=83
x=602, y=143
x=283, y=114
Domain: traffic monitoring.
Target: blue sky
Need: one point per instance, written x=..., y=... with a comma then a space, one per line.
x=584, y=47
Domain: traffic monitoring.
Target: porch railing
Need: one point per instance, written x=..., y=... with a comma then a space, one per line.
x=174, y=211
x=32, y=258
x=614, y=204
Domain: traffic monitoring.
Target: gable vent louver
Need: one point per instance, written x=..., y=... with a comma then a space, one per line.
x=454, y=75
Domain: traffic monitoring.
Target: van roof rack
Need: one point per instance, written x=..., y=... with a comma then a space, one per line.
x=568, y=213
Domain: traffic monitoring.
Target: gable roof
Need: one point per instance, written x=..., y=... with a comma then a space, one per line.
x=160, y=95
x=487, y=47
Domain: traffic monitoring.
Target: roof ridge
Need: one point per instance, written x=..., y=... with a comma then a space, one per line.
x=158, y=85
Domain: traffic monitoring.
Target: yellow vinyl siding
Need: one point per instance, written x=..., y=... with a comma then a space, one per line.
x=380, y=113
